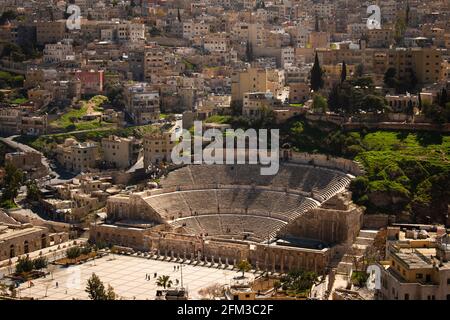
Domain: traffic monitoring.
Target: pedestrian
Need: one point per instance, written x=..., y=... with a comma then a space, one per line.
x=57, y=284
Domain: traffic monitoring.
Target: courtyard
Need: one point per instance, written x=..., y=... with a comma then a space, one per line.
x=131, y=277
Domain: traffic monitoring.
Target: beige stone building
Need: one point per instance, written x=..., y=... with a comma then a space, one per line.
x=29, y=162
x=50, y=31
x=119, y=152
x=142, y=103
x=76, y=156
x=157, y=148
x=299, y=92
x=17, y=239
x=417, y=265
x=255, y=80
x=255, y=102
x=426, y=63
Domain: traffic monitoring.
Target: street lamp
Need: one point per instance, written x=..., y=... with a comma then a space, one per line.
x=181, y=269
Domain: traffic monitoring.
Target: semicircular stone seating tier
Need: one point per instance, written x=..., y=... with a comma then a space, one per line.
x=227, y=200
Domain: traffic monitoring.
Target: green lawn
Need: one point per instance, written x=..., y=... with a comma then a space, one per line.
x=71, y=120
x=406, y=172
x=219, y=119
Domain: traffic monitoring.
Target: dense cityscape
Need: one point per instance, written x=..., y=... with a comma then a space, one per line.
x=224, y=150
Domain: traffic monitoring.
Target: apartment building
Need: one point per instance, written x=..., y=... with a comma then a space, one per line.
x=142, y=103
x=76, y=156
x=216, y=42
x=255, y=102
x=50, y=31
x=157, y=62
x=16, y=121
x=157, y=148
x=195, y=28
x=426, y=63
x=58, y=52
x=255, y=80
x=119, y=152
x=417, y=265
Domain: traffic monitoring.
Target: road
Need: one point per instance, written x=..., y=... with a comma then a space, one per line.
x=58, y=176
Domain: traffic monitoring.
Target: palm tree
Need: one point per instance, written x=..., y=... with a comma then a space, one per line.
x=164, y=281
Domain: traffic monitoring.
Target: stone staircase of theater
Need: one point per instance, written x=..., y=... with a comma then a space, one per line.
x=363, y=241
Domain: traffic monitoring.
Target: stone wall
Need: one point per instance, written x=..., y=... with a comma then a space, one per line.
x=329, y=224
x=176, y=245
x=131, y=207
x=326, y=161
x=22, y=239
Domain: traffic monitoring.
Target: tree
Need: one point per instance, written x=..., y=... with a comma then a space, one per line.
x=389, y=78
x=7, y=16
x=12, y=181
x=164, y=281
x=297, y=128
x=410, y=108
x=236, y=108
x=24, y=265
x=343, y=72
x=407, y=13
x=299, y=281
x=116, y=96
x=420, y=101
x=33, y=192
x=443, y=98
x=95, y=288
x=373, y=103
x=40, y=263
x=333, y=98
x=244, y=266
x=316, y=75
x=359, y=71
x=319, y=103
x=110, y=294
x=73, y=253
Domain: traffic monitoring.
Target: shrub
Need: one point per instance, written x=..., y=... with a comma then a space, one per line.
x=73, y=253
x=24, y=265
x=40, y=263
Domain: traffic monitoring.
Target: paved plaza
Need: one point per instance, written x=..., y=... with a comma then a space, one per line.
x=127, y=275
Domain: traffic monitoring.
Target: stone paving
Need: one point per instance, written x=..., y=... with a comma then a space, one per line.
x=127, y=275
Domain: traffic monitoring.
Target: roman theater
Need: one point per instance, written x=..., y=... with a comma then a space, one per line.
x=302, y=217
